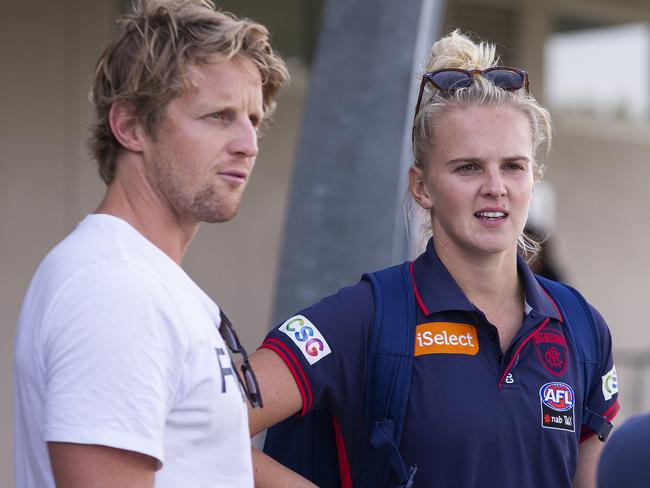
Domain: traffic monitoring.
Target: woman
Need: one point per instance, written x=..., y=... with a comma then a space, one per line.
x=496, y=388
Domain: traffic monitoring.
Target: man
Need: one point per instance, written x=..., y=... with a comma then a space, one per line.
x=122, y=377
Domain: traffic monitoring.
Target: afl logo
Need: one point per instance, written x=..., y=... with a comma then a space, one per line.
x=558, y=396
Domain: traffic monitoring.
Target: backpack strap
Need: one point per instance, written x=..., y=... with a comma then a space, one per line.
x=388, y=377
x=580, y=324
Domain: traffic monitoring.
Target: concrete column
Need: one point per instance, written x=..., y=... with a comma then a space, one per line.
x=345, y=215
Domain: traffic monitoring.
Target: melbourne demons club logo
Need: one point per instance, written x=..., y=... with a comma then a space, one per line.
x=552, y=350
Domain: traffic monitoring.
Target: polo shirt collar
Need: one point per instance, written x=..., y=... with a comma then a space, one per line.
x=437, y=291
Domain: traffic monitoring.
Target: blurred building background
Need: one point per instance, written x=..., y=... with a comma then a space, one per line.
x=589, y=61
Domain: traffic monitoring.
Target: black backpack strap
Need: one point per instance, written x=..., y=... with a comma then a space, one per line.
x=583, y=332
x=388, y=377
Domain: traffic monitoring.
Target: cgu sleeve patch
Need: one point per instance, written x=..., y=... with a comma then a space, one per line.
x=610, y=383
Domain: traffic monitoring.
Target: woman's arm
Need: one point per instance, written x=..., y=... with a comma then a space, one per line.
x=271, y=474
x=280, y=393
x=282, y=399
x=588, y=455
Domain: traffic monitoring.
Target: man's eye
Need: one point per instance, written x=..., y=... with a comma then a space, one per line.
x=255, y=121
x=466, y=168
x=514, y=166
x=225, y=115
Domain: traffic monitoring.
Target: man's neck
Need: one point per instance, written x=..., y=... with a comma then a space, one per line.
x=132, y=200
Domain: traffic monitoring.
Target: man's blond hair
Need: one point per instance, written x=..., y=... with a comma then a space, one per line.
x=146, y=64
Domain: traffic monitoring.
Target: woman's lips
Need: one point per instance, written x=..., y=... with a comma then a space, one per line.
x=491, y=216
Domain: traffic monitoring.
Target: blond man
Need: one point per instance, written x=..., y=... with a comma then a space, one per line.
x=122, y=375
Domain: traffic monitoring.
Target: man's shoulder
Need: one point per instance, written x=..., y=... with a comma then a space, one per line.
x=79, y=260
x=94, y=263
x=104, y=267
x=102, y=249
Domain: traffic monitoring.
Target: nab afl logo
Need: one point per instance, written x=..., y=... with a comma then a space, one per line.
x=558, y=396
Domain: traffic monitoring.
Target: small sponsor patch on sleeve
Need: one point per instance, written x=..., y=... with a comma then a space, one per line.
x=610, y=384
x=307, y=337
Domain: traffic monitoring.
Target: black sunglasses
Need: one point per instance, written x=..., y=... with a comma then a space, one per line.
x=247, y=378
x=448, y=80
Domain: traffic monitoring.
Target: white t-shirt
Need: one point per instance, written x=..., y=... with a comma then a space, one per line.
x=117, y=346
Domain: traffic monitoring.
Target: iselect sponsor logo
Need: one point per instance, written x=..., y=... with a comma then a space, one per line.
x=446, y=338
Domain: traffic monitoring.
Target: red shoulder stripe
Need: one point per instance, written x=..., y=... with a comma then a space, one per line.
x=295, y=368
x=417, y=294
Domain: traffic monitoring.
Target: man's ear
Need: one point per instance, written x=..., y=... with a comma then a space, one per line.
x=126, y=127
x=419, y=189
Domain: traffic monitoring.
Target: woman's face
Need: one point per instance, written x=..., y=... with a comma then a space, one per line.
x=479, y=181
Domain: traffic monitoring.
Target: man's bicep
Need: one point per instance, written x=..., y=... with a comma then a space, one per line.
x=83, y=465
x=113, y=360
x=280, y=392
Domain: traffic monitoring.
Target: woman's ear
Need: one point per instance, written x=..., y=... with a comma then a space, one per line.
x=419, y=189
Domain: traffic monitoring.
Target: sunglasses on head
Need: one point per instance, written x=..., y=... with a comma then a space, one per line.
x=247, y=377
x=448, y=80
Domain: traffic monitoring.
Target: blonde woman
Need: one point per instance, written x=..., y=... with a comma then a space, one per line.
x=496, y=393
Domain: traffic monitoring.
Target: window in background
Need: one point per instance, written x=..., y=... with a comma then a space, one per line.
x=601, y=71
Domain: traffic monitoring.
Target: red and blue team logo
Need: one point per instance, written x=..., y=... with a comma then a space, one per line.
x=552, y=350
x=558, y=396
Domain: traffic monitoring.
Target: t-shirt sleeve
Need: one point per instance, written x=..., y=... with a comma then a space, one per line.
x=325, y=347
x=603, y=399
x=112, y=356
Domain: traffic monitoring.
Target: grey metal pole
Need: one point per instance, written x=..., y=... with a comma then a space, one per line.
x=345, y=214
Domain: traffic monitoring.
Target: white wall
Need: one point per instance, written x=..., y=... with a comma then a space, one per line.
x=601, y=173
x=48, y=50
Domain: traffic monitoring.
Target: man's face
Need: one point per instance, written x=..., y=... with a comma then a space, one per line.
x=203, y=151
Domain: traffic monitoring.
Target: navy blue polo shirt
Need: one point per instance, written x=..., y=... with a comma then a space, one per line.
x=475, y=416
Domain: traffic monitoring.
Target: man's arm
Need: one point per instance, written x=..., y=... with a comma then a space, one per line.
x=588, y=455
x=92, y=466
x=281, y=400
